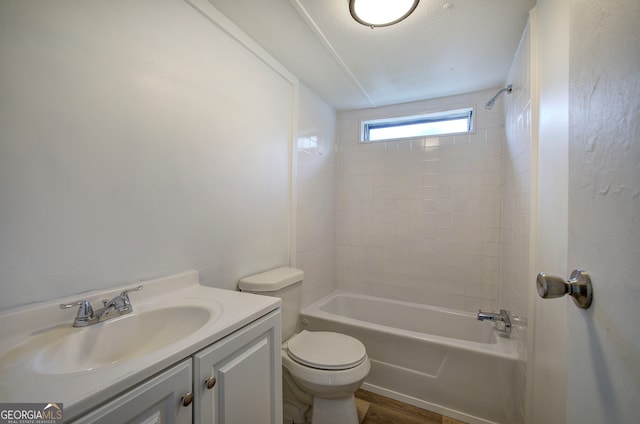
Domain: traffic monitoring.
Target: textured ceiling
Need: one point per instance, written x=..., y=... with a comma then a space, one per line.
x=444, y=48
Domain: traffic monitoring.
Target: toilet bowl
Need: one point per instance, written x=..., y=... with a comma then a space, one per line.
x=321, y=370
x=330, y=367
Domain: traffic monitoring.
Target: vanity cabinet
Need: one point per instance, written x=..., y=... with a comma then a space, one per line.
x=156, y=401
x=239, y=379
x=236, y=380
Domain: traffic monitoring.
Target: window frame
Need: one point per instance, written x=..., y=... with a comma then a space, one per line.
x=447, y=115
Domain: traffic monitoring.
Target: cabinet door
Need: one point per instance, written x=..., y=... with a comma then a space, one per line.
x=156, y=401
x=247, y=369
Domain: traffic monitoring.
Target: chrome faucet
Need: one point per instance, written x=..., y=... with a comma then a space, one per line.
x=503, y=317
x=119, y=305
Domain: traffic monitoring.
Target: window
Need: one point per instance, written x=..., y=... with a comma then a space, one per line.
x=440, y=123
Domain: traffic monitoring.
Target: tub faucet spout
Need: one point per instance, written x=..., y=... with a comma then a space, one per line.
x=503, y=317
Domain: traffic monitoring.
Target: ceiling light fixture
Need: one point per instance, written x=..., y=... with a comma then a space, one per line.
x=381, y=13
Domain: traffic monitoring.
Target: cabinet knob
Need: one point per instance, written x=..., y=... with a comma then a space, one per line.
x=187, y=399
x=210, y=382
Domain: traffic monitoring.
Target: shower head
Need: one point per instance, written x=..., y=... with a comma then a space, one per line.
x=490, y=103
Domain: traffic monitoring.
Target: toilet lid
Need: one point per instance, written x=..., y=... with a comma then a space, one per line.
x=326, y=350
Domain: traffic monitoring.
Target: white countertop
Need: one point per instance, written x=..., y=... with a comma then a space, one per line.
x=21, y=381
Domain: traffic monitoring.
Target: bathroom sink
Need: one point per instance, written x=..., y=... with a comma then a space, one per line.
x=66, y=350
x=43, y=356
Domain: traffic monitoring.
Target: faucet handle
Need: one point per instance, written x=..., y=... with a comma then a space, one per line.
x=124, y=296
x=125, y=293
x=85, y=309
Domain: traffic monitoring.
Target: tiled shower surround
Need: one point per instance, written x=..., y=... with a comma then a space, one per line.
x=420, y=219
x=517, y=278
x=441, y=220
x=316, y=196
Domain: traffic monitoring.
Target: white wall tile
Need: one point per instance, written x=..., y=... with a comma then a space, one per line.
x=516, y=205
x=316, y=199
x=439, y=204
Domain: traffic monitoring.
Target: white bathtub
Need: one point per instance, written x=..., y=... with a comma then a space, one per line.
x=439, y=359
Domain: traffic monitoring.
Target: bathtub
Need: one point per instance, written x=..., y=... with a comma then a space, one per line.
x=439, y=359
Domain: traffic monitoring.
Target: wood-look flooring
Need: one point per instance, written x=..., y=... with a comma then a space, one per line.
x=376, y=409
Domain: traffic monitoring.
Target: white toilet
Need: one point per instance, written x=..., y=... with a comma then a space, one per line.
x=321, y=370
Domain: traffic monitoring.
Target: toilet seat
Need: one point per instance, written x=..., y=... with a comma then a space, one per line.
x=326, y=350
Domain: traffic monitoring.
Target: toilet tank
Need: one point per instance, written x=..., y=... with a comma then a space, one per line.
x=285, y=283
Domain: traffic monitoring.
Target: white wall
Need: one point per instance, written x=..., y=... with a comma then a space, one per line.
x=316, y=196
x=420, y=219
x=548, y=362
x=137, y=139
x=516, y=208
